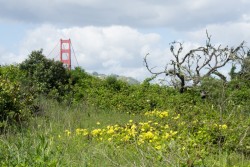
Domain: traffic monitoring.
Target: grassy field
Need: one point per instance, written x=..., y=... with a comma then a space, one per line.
x=84, y=136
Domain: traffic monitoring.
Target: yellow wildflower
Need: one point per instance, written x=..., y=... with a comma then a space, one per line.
x=166, y=136
x=224, y=126
x=96, y=132
x=133, y=126
x=110, y=131
x=148, y=135
x=126, y=138
x=166, y=126
x=67, y=132
x=158, y=147
x=177, y=117
x=78, y=131
x=84, y=132
x=173, y=132
x=163, y=114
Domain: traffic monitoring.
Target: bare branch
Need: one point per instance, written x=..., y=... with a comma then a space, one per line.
x=198, y=63
x=151, y=69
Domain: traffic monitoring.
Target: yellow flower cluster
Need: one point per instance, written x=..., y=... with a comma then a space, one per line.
x=156, y=113
x=96, y=132
x=224, y=126
x=83, y=132
x=141, y=133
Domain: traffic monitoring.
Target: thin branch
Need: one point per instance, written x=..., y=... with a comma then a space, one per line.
x=197, y=63
x=150, y=69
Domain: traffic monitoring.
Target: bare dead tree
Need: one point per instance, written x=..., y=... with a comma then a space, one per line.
x=197, y=63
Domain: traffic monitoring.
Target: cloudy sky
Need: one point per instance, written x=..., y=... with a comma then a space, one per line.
x=110, y=36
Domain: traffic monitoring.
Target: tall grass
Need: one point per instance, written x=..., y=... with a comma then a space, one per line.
x=42, y=142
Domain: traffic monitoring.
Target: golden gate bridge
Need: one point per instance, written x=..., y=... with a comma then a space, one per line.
x=65, y=53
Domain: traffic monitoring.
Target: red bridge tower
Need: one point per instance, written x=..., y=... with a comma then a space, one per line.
x=65, y=52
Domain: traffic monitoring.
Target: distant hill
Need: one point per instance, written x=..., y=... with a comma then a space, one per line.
x=129, y=80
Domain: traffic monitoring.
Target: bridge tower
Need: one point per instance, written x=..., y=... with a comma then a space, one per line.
x=65, y=52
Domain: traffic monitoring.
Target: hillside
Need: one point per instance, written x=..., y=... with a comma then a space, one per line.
x=128, y=80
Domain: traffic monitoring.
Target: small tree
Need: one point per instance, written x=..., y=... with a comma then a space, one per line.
x=44, y=73
x=198, y=63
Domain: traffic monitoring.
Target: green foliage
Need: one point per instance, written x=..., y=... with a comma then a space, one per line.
x=113, y=94
x=214, y=88
x=244, y=73
x=11, y=73
x=112, y=83
x=14, y=103
x=45, y=74
x=232, y=72
x=78, y=74
x=26, y=152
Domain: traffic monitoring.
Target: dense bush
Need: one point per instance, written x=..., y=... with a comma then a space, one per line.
x=45, y=74
x=113, y=94
x=12, y=73
x=14, y=103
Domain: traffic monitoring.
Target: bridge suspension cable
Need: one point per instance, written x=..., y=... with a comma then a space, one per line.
x=64, y=53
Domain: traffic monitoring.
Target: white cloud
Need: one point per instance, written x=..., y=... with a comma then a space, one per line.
x=114, y=49
x=231, y=33
x=8, y=57
x=189, y=14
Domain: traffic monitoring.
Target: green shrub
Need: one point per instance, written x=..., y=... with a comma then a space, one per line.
x=13, y=103
x=45, y=74
x=12, y=72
